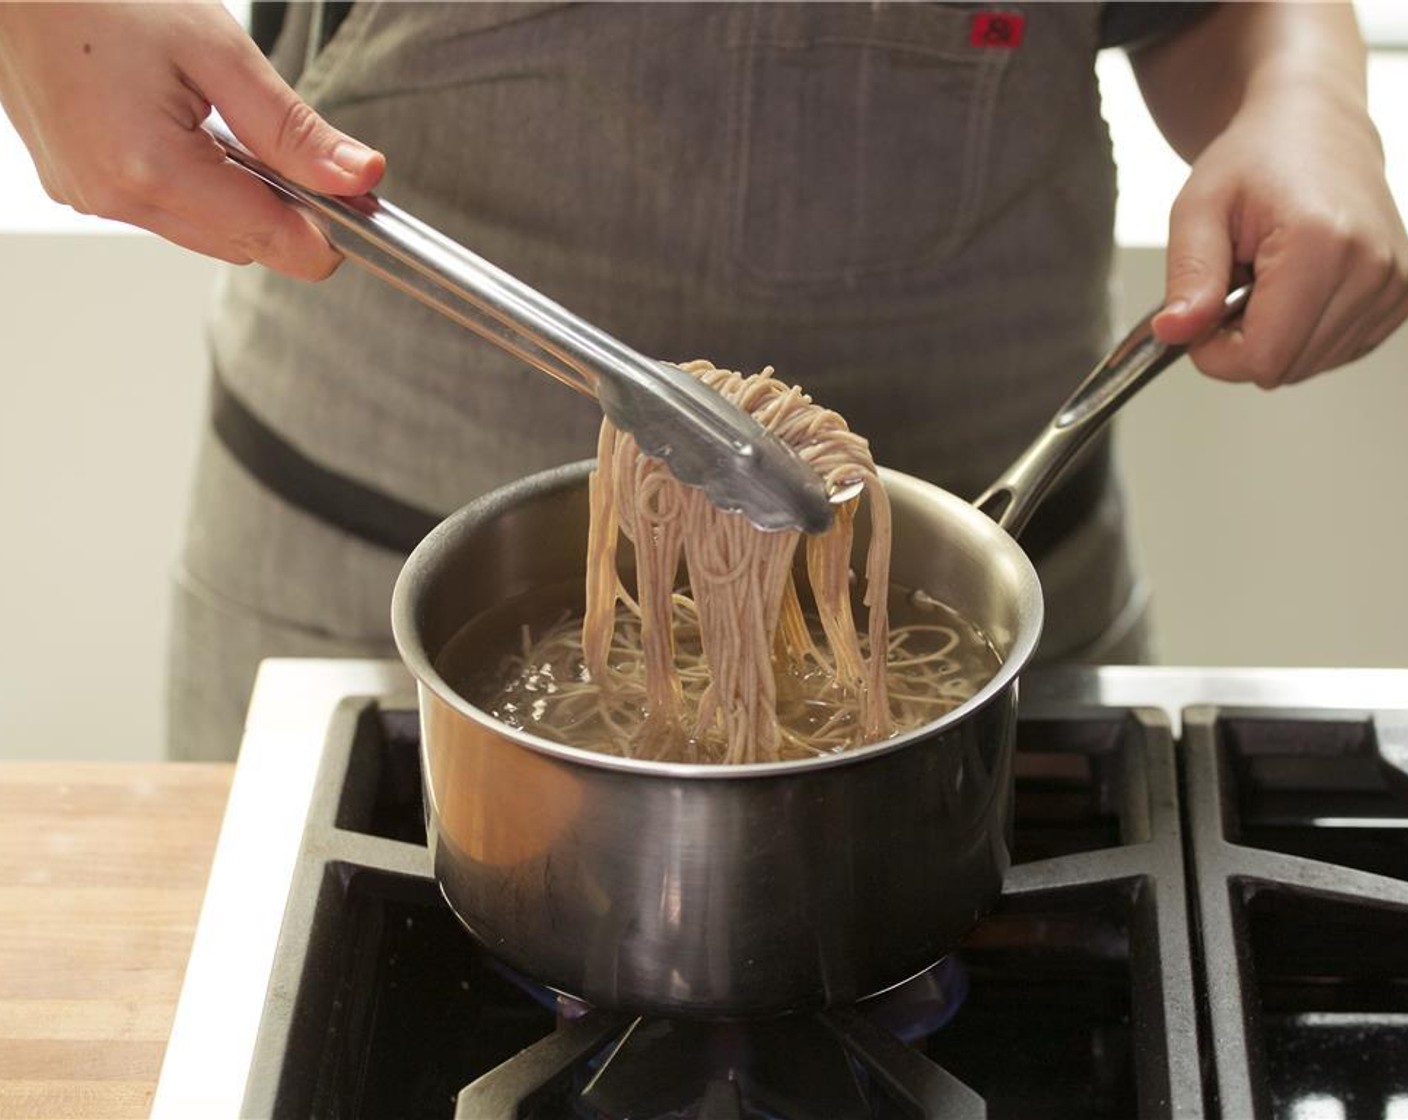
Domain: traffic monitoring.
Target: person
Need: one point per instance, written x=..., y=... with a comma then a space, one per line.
x=905, y=208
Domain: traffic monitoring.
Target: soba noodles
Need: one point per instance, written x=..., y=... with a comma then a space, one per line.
x=729, y=666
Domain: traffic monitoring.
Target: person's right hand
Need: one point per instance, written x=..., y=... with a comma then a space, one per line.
x=109, y=100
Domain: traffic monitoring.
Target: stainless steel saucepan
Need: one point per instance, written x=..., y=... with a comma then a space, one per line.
x=713, y=891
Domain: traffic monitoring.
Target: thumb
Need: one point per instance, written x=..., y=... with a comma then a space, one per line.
x=280, y=127
x=1197, y=272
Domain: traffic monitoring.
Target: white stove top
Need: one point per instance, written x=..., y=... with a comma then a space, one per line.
x=217, y=1019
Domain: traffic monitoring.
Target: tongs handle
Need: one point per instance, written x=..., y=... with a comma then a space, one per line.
x=438, y=271
x=704, y=440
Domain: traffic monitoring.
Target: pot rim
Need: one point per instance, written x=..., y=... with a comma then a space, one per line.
x=424, y=556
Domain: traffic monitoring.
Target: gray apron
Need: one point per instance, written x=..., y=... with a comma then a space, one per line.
x=912, y=222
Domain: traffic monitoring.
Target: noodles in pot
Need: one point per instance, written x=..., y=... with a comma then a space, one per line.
x=728, y=666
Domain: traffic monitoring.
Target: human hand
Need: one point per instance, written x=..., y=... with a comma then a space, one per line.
x=1294, y=188
x=109, y=99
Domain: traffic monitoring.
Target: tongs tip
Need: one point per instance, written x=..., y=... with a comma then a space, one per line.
x=844, y=492
x=707, y=442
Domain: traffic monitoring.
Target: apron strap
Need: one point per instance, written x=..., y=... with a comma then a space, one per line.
x=365, y=513
x=380, y=519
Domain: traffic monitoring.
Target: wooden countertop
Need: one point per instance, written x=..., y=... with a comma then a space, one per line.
x=102, y=870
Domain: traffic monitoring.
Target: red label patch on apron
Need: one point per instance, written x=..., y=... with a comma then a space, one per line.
x=997, y=29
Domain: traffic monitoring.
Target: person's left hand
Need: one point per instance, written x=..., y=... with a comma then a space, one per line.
x=1295, y=190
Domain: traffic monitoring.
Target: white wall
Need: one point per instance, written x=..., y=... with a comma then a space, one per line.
x=1274, y=525
x=102, y=377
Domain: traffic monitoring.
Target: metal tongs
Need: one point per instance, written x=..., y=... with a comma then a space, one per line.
x=703, y=439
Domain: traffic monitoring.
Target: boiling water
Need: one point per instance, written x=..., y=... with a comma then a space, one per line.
x=521, y=662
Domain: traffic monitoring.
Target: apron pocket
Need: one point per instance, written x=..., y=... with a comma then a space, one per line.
x=863, y=136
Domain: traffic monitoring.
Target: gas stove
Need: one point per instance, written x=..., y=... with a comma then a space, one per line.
x=1207, y=916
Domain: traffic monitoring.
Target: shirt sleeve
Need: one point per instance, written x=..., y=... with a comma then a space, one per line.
x=1130, y=24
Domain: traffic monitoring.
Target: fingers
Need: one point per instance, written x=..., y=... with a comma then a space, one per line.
x=1343, y=329
x=183, y=189
x=1320, y=301
x=190, y=236
x=1198, y=268
x=1394, y=315
x=186, y=191
x=1321, y=298
x=230, y=209
x=1389, y=306
x=1296, y=192
x=1286, y=309
x=276, y=124
x=110, y=98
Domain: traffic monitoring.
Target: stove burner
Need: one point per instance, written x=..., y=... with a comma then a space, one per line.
x=922, y=1005
x=795, y=1067
x=565, y=1007
x=812, y=1067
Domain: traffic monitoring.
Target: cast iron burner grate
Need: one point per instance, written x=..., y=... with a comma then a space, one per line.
x=1080, y=997
x=837, y=1064
x=1298, y=825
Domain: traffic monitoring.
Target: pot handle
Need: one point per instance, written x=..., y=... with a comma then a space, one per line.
x=1135, y=361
